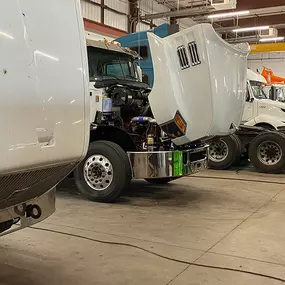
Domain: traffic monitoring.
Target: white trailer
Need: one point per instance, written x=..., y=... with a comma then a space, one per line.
x=44, y=105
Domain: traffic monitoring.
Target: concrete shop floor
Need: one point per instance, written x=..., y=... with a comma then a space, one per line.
x=221, y=222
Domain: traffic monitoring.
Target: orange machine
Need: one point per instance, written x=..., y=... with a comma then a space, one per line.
x=270, y=77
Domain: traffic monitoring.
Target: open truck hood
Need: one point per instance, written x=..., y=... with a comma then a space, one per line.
x=200, y=77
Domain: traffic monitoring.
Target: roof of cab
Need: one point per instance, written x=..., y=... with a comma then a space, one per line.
x=254, y=76
x=112, y=47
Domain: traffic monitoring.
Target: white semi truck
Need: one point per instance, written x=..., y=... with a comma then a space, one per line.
x=261, y=135
x=259, y=110
x=44, y=105
x=159, y=134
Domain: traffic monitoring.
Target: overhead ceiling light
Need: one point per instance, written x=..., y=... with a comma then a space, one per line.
x=251, y=29
x=272, y=39
x=226, y=15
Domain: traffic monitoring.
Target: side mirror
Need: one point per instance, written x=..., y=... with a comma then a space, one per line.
x=251, y=100
x=99, y=84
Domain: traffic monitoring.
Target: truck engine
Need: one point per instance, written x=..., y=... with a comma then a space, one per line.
x=124, y=104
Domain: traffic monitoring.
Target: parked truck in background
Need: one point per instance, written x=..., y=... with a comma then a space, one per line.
x=275, y=87
x=159, y=134
x=44, y=105
x=260, y=136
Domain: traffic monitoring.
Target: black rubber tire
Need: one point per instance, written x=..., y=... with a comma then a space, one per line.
x=121, y=177
x=234, y=153
x=274, y=136
x=159, y=181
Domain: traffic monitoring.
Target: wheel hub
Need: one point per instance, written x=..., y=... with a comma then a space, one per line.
x=269, y=153
x=98, y=172
x=218, y=151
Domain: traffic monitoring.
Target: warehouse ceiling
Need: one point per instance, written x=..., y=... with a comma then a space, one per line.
x=261, y=13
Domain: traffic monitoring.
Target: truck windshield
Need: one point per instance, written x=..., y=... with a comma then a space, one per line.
x=107, y=64
x=257, y=89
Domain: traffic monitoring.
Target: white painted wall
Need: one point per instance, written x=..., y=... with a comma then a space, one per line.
x=272, y=60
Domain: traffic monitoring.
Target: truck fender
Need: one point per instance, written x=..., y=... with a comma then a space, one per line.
x=269, y=120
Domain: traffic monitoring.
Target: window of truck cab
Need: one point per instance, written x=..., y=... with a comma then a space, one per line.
x=108, y=64
x=257, y=89
x=141, y=50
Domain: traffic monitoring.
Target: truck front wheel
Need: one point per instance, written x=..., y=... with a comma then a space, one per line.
x=267, y=152
x=105, y=172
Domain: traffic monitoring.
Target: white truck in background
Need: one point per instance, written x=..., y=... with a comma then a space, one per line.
x=161, y=134
x=259, y=110
x=44, y=105
x=260, y=136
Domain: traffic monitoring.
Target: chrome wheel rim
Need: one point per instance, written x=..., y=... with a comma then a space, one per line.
x=269, y=153
x=218, y=151
x=98, y=172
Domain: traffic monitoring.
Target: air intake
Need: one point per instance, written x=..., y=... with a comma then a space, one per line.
x=183, y=59
x=194, y=56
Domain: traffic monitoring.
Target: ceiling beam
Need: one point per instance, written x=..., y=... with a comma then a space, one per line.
x=273, y=21
x=221, y=29
x=201, y=13
x=252, y=38
x=272, y=11
x=183, y=13
x=248, y=5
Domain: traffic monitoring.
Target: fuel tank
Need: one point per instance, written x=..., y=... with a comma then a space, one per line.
x=199, y=83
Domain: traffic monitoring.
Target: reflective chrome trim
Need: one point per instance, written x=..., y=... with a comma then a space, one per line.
x=158, y=164
x=46, y=203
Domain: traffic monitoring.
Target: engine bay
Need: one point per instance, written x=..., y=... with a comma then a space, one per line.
x=125, y=105
x=122, y=101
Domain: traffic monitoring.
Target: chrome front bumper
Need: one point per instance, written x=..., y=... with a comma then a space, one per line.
x=160, y=164
x=27, y=213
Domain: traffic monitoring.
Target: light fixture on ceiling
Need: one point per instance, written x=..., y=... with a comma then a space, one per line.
x=227, y=15
x=276, y=39
x=251, y=29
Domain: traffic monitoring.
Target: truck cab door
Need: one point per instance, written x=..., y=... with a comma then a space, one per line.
x=249, y=106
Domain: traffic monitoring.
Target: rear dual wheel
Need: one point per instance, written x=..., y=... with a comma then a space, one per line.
x=266, y=152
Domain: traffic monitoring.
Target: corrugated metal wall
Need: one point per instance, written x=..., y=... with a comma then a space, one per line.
x=120, y=21
x=116, y=20
x=91, y=11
